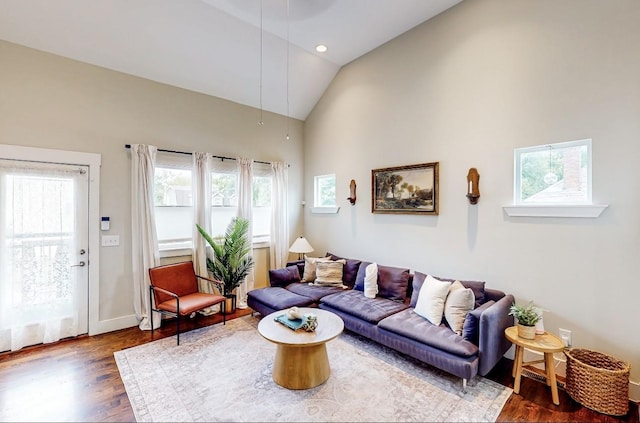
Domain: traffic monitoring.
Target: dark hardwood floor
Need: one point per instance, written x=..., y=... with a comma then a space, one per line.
x=78, y=380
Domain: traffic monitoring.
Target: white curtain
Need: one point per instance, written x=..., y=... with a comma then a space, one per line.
x=40, y=292
x=245, y=210
x=279, y=249
x=144, y=242
x=202, y=217
x=201, y=209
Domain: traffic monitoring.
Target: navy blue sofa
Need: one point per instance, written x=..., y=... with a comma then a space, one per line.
x=389, y=318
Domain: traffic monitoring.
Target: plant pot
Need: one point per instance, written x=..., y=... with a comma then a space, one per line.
x=526, y=332
x=229, y=305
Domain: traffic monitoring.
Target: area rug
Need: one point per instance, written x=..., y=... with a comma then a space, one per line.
x=223, y=373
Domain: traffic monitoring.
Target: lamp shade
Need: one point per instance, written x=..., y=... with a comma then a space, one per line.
x=301, y=246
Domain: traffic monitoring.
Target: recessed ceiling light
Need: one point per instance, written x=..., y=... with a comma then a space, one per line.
x=321, y=48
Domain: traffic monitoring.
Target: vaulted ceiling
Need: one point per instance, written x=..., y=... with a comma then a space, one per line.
x=259, y=53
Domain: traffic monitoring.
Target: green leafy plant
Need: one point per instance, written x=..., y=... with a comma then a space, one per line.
x=527, y=315
x=231, y=263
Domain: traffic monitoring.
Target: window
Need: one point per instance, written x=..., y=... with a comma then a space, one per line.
x=554, y=174
x=553, y=180
x=173, y=207
x=173, y=200
x=324, y=191
x=224, y=200
x=261, y=208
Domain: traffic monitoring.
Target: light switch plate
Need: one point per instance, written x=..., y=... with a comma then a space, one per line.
x=110, y=240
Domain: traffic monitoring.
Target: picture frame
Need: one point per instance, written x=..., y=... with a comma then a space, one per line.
x=411, y=189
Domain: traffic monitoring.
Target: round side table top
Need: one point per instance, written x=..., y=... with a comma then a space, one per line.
x=545, y=343
x=330, y=326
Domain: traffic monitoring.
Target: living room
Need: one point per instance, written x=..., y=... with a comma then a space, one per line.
x=464, y=89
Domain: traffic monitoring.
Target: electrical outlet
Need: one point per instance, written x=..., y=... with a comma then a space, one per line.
x=565, y=335
x=110, y=240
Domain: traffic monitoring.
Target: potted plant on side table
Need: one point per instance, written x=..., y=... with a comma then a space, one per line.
x=527, y=316
x=231, y=262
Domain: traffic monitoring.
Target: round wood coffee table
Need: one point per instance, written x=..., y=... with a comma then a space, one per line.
x=301, y=360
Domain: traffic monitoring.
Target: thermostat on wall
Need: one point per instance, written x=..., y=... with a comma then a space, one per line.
x=104, y=224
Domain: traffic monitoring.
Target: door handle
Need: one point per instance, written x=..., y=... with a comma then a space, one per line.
x=81, y=264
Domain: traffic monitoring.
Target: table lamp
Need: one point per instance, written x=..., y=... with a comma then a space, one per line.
x=300, y=246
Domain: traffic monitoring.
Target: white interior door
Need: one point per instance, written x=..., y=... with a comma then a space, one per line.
x=43, y=252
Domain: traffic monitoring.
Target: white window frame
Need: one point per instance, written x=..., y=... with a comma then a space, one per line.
x=317, y=201
x=583, y=208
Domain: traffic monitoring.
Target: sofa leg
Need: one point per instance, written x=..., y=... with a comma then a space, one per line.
x=464, y=385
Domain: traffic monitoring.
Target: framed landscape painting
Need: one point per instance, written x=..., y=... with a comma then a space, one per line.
x=409, y=189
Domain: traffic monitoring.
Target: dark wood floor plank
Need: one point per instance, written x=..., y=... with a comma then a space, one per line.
x=78, y=380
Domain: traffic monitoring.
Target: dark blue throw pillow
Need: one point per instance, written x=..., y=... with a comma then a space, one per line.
x=471, y=328
x=285, y=276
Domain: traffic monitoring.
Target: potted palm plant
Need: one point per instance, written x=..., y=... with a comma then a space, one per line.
x=527, y=316
x=231, y=262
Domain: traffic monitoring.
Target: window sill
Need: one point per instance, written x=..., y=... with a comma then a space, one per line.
x=543, y=210
x=182, y=252
x=325, y=210
x=178, y=252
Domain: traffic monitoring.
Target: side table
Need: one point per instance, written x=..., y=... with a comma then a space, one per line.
x=547, y=344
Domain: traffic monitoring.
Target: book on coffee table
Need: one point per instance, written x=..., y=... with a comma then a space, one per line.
x=293, y=324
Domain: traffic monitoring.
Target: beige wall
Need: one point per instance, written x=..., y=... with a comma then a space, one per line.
x=465, y=89
x=52, y=102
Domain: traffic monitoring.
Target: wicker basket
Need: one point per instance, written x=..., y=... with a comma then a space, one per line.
x=598, y=381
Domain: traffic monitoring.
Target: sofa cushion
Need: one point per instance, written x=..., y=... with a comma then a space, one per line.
x=392, y=281
x=350, y=271
x=371, y=310
x=408, y=324
x=476, y=286
x=285, y=276
x=471, y=327
x=329, y=273
x=459, y=302
x=431, y=298
x=309, y=274
x=279, y=298
x=315, y=292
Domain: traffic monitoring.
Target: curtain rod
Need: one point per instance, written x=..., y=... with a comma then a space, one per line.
x=190, y=154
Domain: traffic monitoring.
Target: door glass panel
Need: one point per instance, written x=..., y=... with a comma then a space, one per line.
x=43, y=229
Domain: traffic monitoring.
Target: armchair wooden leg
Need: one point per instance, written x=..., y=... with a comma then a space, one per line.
x=224, y=313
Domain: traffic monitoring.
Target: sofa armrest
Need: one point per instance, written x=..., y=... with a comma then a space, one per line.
x=492, y=342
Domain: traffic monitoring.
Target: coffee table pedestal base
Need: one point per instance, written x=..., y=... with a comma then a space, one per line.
x=301, y=367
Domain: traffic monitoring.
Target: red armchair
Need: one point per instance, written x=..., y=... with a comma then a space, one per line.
x=174, y=291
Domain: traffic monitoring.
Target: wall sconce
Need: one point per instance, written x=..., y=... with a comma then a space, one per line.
x=473, y=183
x=352, y=192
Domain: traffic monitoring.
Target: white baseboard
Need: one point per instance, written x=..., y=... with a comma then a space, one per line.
x=634, y=391
x=103, y=326
x=561, y=368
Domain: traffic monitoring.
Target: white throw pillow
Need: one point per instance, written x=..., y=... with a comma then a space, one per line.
x=460, y=301
x=371, y=280
x=309, y=274
x=431, y=298
x=329, y=273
